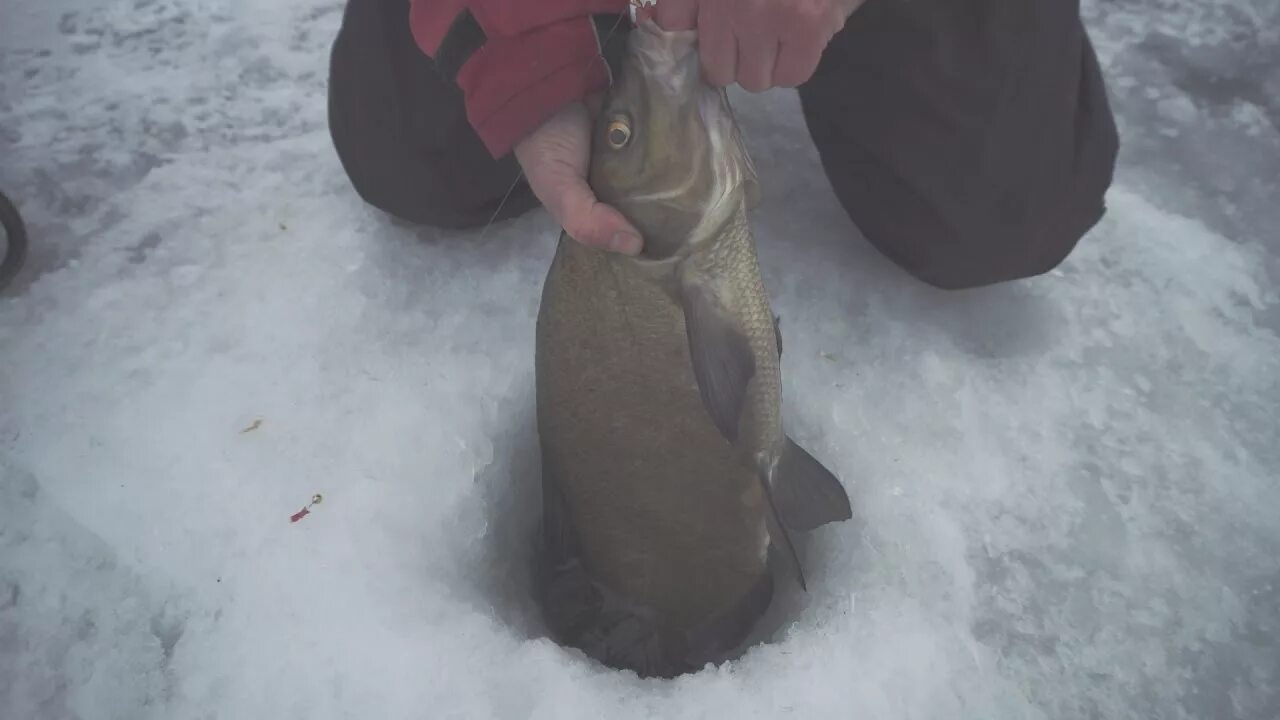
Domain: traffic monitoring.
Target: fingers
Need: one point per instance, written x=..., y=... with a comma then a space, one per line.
x=717, y=49
x=757, y=59
x=759, y=44
x=796, y=63
x=594, y=223
x=675, y=15
x=554, y=160
x=563, y=190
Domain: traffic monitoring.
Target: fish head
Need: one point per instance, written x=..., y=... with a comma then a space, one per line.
x=666, y=149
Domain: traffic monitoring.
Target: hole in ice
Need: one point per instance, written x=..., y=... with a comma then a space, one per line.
x=506, y=565
x=512, y=505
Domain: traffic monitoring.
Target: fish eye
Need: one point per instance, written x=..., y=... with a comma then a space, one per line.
x=618, y=134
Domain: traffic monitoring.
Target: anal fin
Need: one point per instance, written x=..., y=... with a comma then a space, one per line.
x=807, y=494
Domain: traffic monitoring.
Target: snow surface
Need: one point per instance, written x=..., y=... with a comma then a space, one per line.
x=1066, y=491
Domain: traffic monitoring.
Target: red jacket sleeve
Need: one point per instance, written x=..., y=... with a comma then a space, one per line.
x=516, y=61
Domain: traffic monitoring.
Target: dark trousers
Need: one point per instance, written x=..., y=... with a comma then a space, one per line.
x=971, y=141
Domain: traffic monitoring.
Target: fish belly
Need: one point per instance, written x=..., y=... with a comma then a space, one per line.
x=644, y=497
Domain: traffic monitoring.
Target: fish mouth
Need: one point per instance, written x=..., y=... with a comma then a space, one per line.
x=666, y=58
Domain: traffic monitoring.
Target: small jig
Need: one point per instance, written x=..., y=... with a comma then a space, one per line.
x=315, y=500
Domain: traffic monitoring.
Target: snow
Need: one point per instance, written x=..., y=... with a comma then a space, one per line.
x=1065, y=489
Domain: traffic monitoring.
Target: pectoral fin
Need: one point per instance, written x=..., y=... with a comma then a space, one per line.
x=807, y=494
x=723, y=363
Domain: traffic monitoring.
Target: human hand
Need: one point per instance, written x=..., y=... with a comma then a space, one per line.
x=555, y=158
x=759, y=44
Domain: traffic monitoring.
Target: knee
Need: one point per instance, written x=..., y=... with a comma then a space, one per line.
x=957, y=246
x=401, y=135
x=1015, y=227
x=963, y=256
x=997, y=239
x=1026, y=231
x=438, y=190
x=963, y=245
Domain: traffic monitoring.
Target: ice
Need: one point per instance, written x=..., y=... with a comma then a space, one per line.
x=1065, y=489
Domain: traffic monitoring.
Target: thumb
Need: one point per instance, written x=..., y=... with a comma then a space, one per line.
x=590, y=221
x=554, y=159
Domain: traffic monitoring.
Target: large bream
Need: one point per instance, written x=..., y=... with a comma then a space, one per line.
x=667, y=474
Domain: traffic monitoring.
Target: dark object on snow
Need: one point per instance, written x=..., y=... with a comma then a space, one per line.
x=13, y=241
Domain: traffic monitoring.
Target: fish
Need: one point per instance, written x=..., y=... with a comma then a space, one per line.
x=667, y=475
